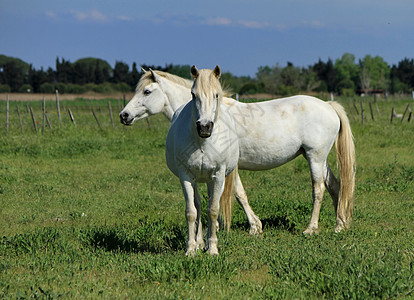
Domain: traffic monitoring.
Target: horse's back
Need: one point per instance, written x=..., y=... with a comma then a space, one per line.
x=274, y=132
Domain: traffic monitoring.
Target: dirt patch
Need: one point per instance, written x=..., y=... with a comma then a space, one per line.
x=63, y=97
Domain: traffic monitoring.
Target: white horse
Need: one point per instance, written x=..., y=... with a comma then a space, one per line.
x=202, y=146
x=270, y=134
x=162, y=92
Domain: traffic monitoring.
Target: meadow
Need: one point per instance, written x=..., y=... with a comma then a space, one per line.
x=94, y=212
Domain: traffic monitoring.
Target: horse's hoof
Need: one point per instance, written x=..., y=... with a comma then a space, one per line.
x=255, y=230
x=200, y=245
x=191, y=250
x=213, y=252
x=212, y=249
x=311, y=231
x=339, y=228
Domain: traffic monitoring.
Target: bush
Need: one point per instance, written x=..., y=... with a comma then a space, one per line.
x=346, y=92
x=5, y=88
x=25, y=88
x=75, y=89
x=122, y=87
x=47, y=88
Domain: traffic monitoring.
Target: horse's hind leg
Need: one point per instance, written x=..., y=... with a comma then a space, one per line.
x=199, y=236
x=332, y=185
x=240, y=193
x=318, y=189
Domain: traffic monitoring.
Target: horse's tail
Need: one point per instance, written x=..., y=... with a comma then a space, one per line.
x=345, y=153
x=226, y=200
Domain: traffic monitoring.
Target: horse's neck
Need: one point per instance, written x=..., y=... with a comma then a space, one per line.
x=177, y=95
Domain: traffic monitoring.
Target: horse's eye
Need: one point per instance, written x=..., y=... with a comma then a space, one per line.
x=217, y=95
x=147, y=92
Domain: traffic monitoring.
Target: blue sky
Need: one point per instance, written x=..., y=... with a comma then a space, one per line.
x=239, y=35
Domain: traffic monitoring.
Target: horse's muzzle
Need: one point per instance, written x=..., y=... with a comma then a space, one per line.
x=125, y=118
x=204, y=130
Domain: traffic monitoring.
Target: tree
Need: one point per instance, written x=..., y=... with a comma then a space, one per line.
x=14, y=75
x=64, y=71
x=13, y=72
x=374, y=73
x=121, y=72
x=326, y=73
x=36, y=78
x=269, y=78
x=179, y=70
x=134, y=76
x=346, y=73
x=402, y=76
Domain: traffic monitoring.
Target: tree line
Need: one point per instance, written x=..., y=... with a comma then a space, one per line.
x=344, y=76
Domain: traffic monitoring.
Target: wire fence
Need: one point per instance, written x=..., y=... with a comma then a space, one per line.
x=39, y=117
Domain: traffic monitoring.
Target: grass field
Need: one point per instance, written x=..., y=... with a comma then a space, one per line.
x=95, y=213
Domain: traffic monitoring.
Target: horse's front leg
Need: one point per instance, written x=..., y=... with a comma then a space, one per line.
x=199, y=236
x=189, y=190
x=215, y=189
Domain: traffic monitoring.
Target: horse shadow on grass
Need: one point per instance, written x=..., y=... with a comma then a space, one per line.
x=272, y=222
x=146, y=239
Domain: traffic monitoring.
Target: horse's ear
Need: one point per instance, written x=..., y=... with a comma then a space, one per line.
x=143, y=70
x=217, y=72
x=154, y=75
x=194, y=72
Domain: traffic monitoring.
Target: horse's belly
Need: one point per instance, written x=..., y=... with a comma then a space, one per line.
x=257, y=156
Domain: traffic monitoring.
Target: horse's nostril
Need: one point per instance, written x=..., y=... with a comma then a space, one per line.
x=125, y=115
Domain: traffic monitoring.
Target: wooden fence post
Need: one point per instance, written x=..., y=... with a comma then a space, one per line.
x=71, y=117
x=355, y=107
x=7, y=114
x=110, y=114
x=44, y=116
x=405, y=111
x=370, y=109
x=96, y=118
x=20, y=120
x=350, y=111
x=48, y=124
x=33, y=119
x=58, y=108
x=362, y=114
x=392, y=114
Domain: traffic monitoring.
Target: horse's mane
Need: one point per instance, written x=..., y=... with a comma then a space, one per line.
x=208, y=81
x=147, y=78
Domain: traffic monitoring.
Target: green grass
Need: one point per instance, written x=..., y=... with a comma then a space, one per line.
x=95, y=213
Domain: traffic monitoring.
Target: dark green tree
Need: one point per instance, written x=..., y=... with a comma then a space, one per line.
x=326, y=73
x=134, y=76
x=121, y=72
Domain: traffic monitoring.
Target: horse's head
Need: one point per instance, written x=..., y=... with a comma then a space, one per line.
x=149, y=99
x=207, y=94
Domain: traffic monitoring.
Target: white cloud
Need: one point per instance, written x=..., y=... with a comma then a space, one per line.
x=124, y=18
x=93, y=15
x=314, y=24
x=51, y=14
x=217, y=21
x=254, y=24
